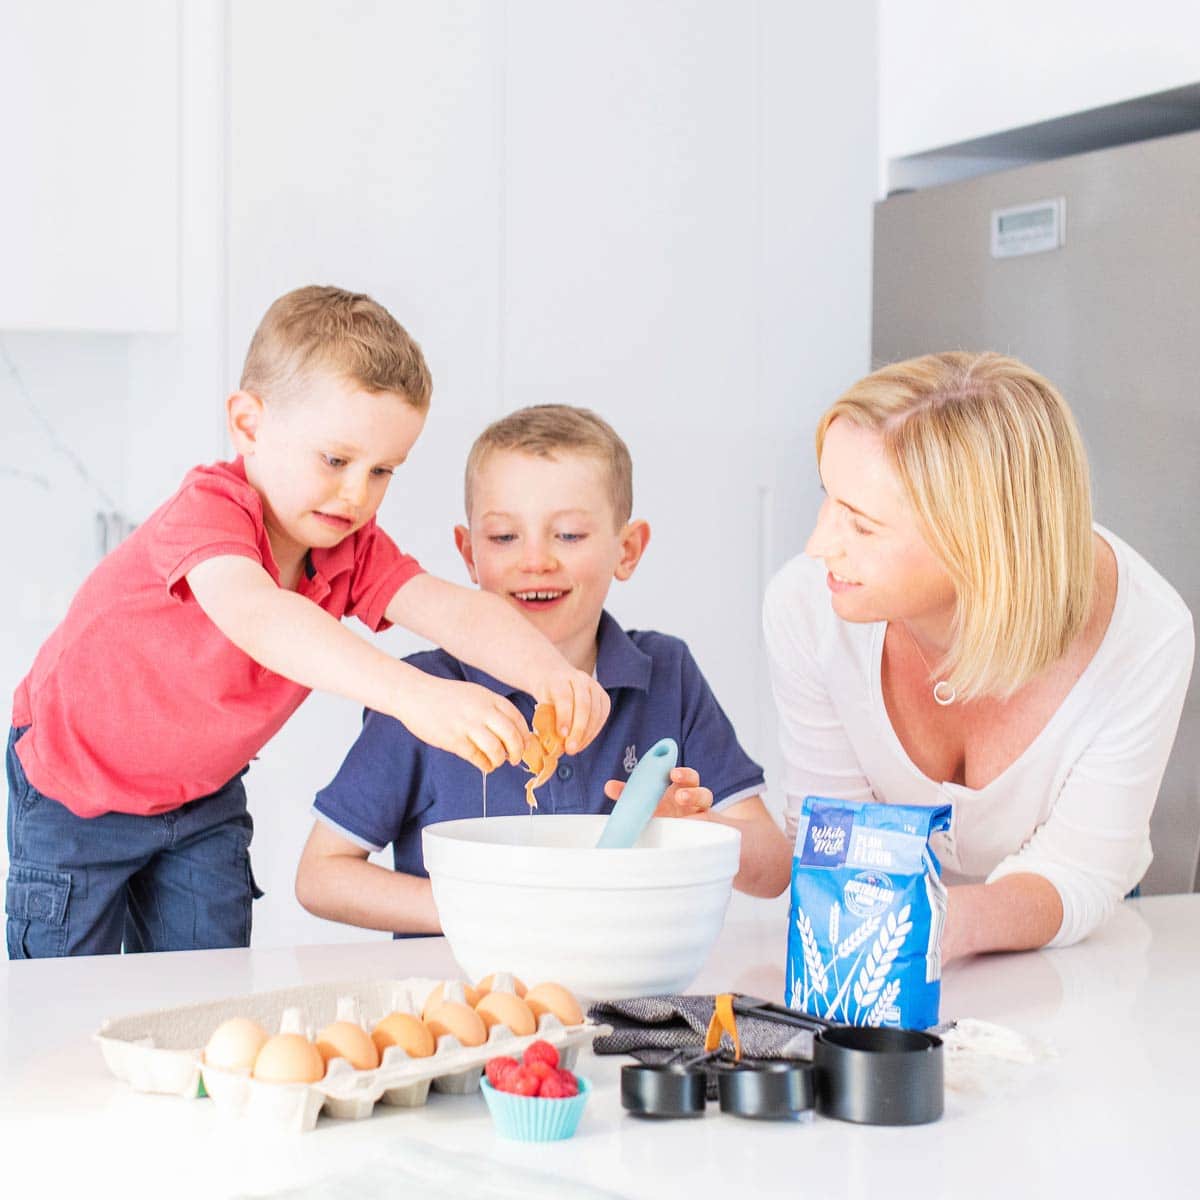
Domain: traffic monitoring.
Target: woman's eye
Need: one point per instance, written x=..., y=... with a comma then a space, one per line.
x=381, y=472
x=858, y=527
x=331, y=460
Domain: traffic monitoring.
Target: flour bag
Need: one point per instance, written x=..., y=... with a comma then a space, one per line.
x=868, y=906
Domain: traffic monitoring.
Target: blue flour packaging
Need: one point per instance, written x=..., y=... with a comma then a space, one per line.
x=868, y=906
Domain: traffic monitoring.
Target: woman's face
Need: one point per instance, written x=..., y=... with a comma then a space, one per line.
x=880, y=567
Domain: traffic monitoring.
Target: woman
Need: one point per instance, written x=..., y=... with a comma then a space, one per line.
x=961, y=633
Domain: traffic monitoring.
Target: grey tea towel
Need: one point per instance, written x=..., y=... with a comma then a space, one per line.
x=653, y=1028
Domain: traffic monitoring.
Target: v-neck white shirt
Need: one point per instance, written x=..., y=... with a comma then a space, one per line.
x=1074, y=807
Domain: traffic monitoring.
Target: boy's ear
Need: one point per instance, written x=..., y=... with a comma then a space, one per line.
x=635, y=537
x=243, y=417
x=462, y=539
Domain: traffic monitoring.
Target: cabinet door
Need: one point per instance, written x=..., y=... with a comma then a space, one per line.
x=89, y=202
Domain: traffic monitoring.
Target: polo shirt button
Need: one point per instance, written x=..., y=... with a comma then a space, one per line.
x=565, y=771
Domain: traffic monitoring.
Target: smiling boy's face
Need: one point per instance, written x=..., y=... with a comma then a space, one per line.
x=544, y=536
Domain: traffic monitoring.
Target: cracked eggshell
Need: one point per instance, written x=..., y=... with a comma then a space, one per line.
x=503, y=1008
x=235, y=1044
x=289, y=1058
x=344, y=1039
x=459, y=1021
x=554, y=998
x=402, y=1029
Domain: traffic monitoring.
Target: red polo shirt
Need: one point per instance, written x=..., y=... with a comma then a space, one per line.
x=137, y=702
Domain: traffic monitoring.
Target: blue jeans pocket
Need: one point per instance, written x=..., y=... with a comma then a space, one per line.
x=35, y=902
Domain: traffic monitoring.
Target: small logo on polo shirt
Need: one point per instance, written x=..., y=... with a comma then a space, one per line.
x=630, y=758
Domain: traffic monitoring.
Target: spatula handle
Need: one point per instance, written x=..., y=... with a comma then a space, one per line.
x=636, y=805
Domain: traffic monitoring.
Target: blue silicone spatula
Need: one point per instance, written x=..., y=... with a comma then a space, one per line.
x=636, y=805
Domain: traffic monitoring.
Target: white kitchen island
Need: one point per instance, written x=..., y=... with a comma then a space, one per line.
x=1111, y=1109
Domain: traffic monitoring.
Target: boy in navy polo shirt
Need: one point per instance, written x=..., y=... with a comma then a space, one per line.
x=549, y=496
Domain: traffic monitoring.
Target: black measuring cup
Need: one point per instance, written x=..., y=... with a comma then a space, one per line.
x=868, y=1075
x=762, y=1089
x=675, y=1088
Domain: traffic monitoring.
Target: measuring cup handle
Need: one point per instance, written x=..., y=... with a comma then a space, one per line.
x=752, y=1006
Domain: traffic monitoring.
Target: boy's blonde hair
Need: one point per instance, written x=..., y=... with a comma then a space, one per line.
x=549, y=430
x=991, y=460
x=327, y=328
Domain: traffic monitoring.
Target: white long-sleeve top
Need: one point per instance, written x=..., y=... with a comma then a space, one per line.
x=1074, y=807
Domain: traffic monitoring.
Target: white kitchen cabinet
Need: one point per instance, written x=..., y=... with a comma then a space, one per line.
x=953, y=73
x=89, y=165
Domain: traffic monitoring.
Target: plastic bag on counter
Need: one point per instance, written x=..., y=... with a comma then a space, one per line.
x=867, y=910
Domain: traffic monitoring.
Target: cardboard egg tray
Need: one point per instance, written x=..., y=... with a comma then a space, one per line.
x=162, y=1051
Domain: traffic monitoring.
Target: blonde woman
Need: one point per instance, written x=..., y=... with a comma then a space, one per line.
x=959, y=631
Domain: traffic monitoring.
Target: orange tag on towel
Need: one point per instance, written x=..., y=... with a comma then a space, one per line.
x=723, y=1021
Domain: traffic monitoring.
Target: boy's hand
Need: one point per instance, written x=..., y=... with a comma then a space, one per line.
x=581, y=705
x=683, y=798
x=464, y=718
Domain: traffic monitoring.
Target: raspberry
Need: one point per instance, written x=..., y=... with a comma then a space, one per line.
x=540, y=1051
x=543, y=1070
x=569, y=1082
x=498, y=1069
x=554, y=1087
x=522, y=1082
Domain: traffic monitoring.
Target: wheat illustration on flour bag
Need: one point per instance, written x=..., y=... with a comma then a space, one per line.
x=867, y=910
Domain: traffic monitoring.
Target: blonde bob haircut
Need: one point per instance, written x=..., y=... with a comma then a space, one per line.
x=320, y=328
x=551, y=430
x=991, y=460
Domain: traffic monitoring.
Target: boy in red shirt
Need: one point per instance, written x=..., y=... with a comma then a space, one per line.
x=189, y=646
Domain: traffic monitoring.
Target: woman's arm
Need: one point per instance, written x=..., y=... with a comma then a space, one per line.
x=1017, y=912
x=1094, y=846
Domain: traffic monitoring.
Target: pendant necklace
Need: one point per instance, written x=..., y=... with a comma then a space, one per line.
x=943, y=693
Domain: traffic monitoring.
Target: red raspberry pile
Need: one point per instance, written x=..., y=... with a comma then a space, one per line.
x=537, y=1074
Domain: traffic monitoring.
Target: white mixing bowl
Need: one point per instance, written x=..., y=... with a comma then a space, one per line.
x=533, y=895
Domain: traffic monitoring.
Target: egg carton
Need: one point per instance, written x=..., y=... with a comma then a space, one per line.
x=162, y=1051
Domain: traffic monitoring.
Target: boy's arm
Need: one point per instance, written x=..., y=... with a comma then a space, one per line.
x=484, y=630
x=295, y=638
x=765, y=858
x=765, y=865
x=336, y=880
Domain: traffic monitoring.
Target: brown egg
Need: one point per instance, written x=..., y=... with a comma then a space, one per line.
x=488, y=982
x=458, y=1020
x=235, y=1044
x=402, y=1029
x=289, y=1058
x=439, y=993
x=554, y=998
x=344, y=1039
x=503, y=1008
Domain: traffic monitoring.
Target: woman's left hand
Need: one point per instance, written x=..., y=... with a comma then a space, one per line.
x=683, y=798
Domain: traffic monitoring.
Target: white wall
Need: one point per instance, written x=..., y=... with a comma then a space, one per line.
x=950, y=71
x=606, y=204
x=646, y=208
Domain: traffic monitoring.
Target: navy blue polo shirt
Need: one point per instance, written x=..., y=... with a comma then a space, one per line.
x=391, y=784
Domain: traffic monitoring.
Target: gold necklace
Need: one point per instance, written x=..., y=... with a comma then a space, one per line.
x=943, y=693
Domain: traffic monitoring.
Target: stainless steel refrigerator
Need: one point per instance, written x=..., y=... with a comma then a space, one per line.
x=1088, y=269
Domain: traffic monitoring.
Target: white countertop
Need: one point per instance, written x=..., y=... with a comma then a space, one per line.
x=1113, y=1113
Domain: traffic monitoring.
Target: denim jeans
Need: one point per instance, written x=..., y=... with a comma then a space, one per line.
x=179, y=880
